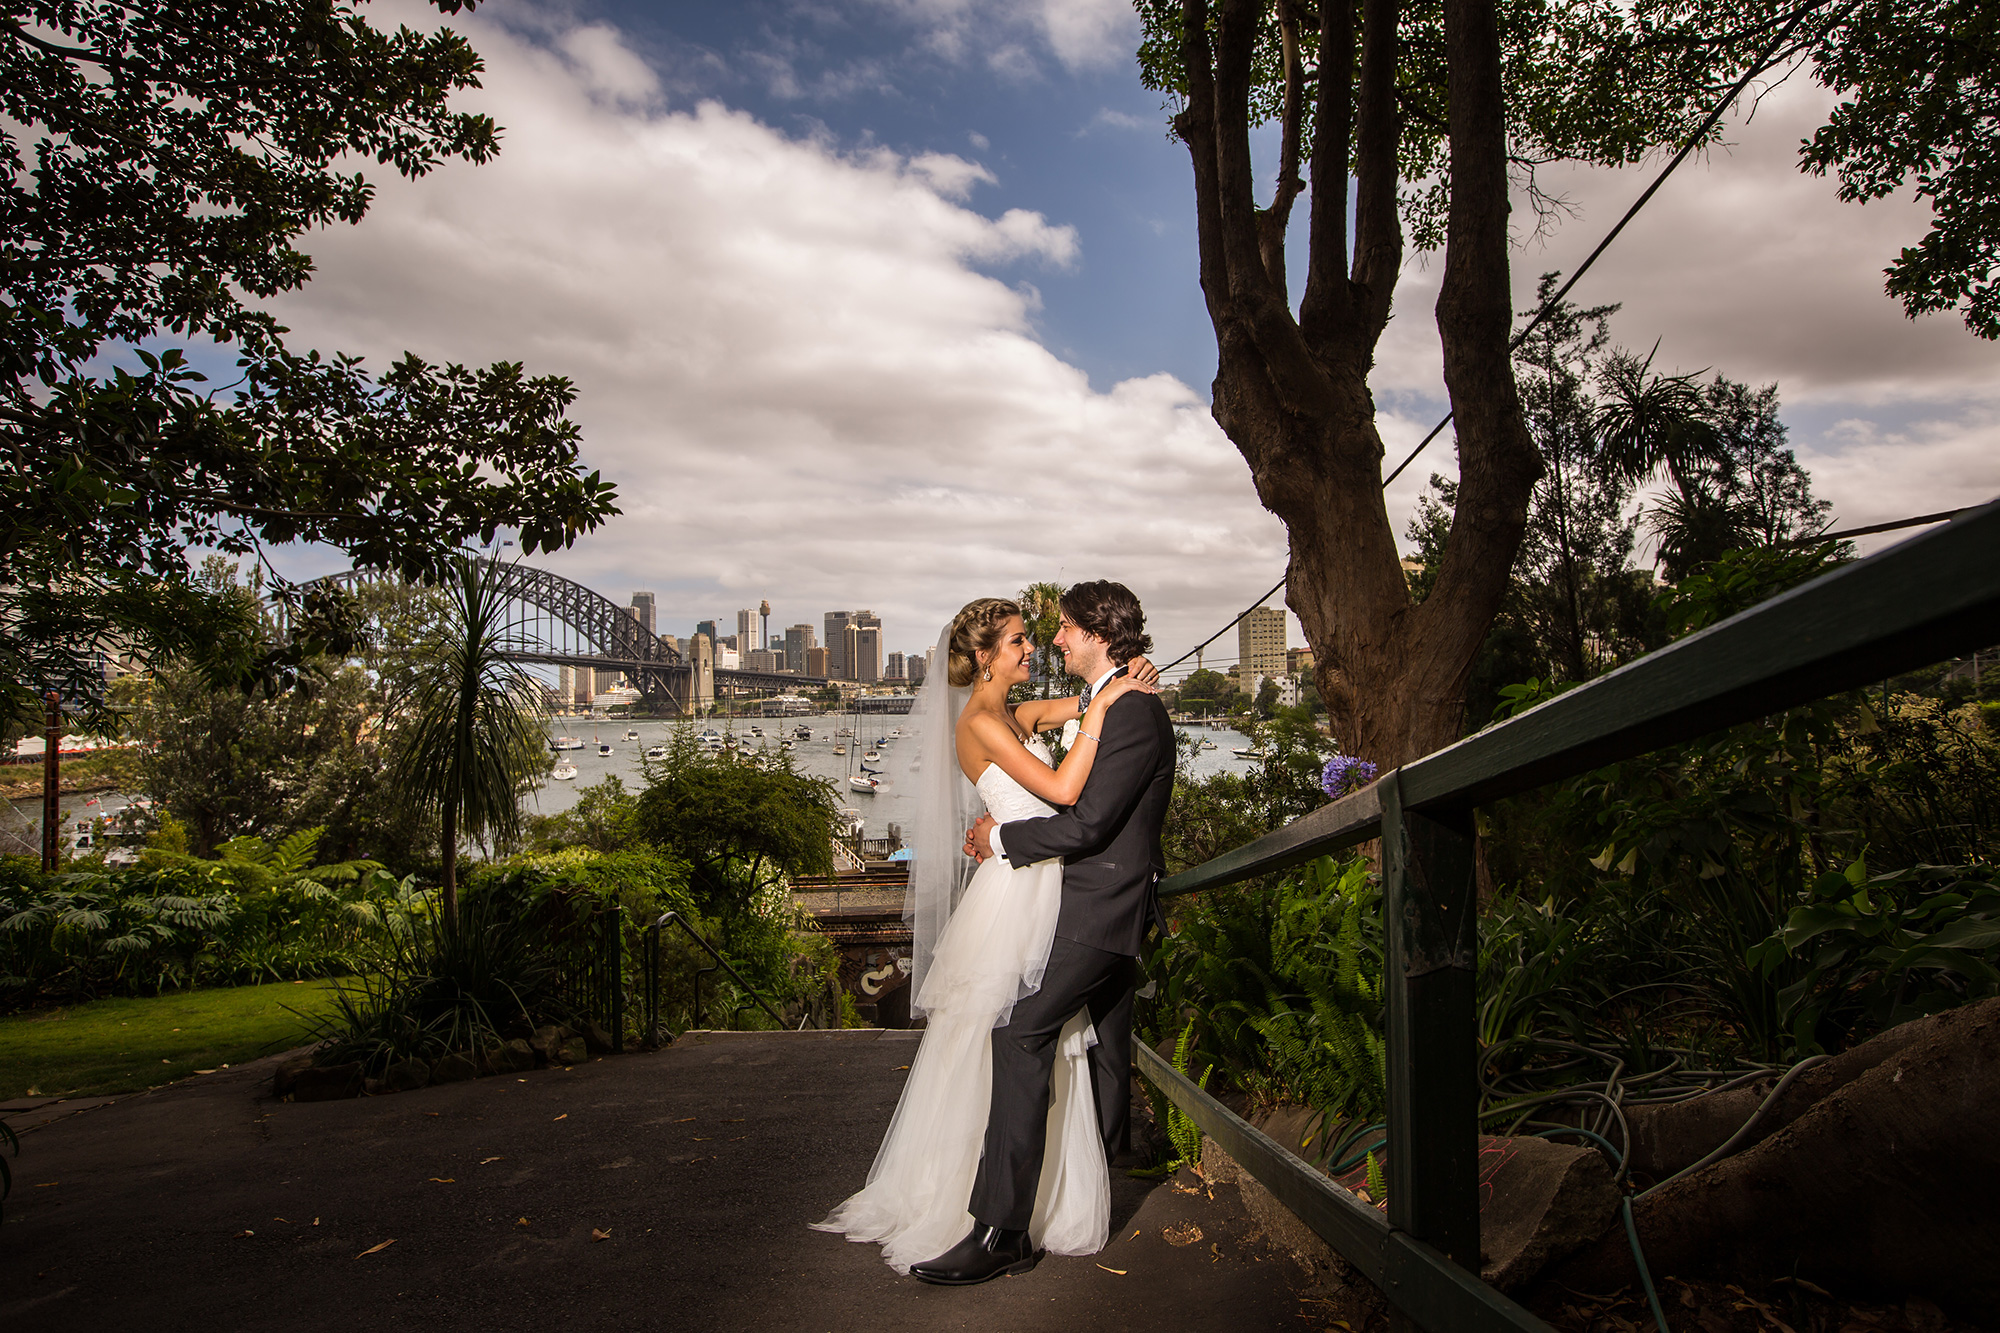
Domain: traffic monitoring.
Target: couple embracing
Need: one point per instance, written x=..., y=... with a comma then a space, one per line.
x=1025, y=967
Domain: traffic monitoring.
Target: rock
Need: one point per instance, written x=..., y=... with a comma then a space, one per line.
x=597, y=1039
x=1540, y=1200
x=546, y=1041
x=284, y=1079
x=405, y=1076
x=454, y=1068
x=327, y=1083
x=574, y=1051
x=515, y=1057
x=1544, y=1201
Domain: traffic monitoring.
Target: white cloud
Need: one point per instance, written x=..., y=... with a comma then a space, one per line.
x=1743, y=265
x=951, y=175
x=1090, y=32
x=791, y=363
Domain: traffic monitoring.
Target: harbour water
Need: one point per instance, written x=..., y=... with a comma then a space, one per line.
x=894, y=802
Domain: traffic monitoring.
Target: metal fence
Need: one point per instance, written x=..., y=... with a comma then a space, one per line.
x=1933, y=597
x=586, y=949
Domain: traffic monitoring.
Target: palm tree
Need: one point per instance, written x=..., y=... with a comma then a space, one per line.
x=475, y=730
x=1649, y=423
x=1041, y=609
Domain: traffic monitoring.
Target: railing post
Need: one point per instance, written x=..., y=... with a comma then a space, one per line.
x=1429, y=963
x=618, y=979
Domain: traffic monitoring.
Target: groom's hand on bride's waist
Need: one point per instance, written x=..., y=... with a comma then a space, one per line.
x=979, y=839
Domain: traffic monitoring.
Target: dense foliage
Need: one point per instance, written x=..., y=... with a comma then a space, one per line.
x=740, y=825
x=157, y=164
x=256, y=913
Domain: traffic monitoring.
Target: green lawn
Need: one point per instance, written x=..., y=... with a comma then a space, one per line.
x=111, y=1046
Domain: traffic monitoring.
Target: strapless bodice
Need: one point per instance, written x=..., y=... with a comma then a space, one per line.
x=1008, y=800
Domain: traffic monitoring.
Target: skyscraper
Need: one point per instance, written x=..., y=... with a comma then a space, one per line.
x=866, y=663
x=918, y=667
x=648, y=607
x=746, y=631
x=864, y=653
x=894, y=669
x=707, y=629
x=1260, y=646
x=798, y=638
x=816, y=664
x=836, y=645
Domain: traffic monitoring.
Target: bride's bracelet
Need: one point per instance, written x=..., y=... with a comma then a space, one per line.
x=1081, y=732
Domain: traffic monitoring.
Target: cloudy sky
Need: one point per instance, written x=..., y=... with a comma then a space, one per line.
x=893, y=303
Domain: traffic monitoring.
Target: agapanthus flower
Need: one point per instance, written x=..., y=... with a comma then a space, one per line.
x=1344, y=773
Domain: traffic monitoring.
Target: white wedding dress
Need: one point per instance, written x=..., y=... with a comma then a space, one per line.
x=991, y=952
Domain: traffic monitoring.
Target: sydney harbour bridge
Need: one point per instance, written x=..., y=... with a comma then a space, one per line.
x=555, y=621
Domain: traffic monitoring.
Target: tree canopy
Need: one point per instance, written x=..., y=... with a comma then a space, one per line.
x=157, y=166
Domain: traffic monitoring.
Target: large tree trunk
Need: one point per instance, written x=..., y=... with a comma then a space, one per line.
x=1292, y=394
x=1883, y=1186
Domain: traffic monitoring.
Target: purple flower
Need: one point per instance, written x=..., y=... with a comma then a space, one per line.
x=1343, y=773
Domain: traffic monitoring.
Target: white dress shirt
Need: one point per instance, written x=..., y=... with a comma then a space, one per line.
x=1069, y=731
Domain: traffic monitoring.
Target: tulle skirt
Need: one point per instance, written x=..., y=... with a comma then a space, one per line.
x=991, y=952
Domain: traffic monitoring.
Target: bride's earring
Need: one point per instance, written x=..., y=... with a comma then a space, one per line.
x=986, y=674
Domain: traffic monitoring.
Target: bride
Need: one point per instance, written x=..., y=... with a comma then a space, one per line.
x=982, y=939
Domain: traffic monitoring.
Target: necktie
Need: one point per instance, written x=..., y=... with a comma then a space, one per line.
x=1083, y=700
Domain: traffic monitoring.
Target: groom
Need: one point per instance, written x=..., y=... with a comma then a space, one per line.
x=1110, y=845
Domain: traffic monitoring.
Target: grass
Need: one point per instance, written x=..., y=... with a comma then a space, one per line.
x=112, y=1046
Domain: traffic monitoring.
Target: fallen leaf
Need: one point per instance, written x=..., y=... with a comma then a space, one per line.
x=241, y=1234
x=48, y=1184
x=444, y=1180
x=699, y=1139
x=280, y=1219
x=484, y=1160
x=902, y=1067
x=683, y=1120
x=1215, y=1253
x=1180, y=1233
x=204, y=1071
x=563, y=1116
x=1134, y=1235
x=315, y=1221
x=605, y=1234
x=376, y=1249
x=434, y=1113
x=1119, y=1271
x=523, y=1222
x=737, y=1121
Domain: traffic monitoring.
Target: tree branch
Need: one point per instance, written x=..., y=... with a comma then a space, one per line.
x=1327, y=309
x=1272, y=221
x=1378, y=228
x=15, y=31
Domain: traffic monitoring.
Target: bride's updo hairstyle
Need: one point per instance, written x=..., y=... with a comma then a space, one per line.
x=976, y=630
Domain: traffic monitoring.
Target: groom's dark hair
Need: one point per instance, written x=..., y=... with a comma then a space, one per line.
x=1111, y=612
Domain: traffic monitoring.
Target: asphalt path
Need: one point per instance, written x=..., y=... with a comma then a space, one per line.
x=669, y=1190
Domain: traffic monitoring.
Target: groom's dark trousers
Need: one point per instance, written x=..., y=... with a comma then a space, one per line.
x=1110, y=845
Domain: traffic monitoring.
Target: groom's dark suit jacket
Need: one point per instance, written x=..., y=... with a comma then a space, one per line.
x=1110, y=839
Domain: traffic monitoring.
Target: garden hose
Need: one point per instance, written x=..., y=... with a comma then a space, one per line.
x=1631, y=1227
x=1729, y=1145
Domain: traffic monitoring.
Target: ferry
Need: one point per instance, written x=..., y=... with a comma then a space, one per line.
x=565, y=743
x=802, y=732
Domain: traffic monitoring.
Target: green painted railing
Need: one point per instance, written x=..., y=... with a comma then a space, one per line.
x=1933, y=597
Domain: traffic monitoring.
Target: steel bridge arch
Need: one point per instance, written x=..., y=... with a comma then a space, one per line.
x=560, y=622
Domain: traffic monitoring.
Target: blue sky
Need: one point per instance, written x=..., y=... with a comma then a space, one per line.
x=893, y=303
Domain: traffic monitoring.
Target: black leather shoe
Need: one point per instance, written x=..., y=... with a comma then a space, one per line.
x=985, y=1253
